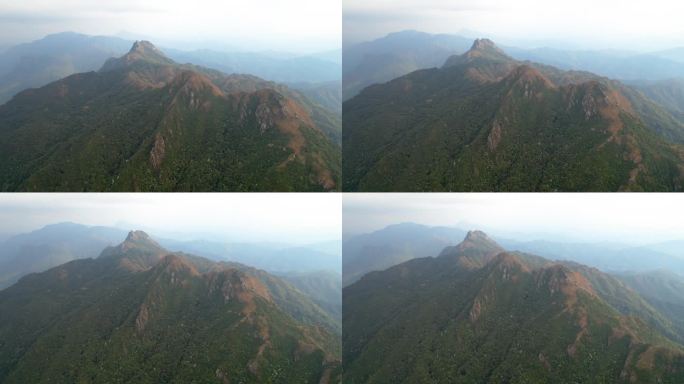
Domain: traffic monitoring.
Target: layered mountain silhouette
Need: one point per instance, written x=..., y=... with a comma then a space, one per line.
x=139, y=313
x=145, y=123
x=484, y=121
x=478, y=313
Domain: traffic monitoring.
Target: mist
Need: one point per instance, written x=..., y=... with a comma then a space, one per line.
x=288, y=218
x=582, y=24
x=300, y=26
x=625, y=218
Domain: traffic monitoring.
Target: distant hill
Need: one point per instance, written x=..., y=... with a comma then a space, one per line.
x=146, y=123
x=393, y=245
x=139, y=313
x=54, y=57
x=51, y=246
x=478, y=313
x=395, y=55
x=487, y=122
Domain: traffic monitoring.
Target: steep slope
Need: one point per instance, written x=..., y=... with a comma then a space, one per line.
x=663, y=290
x=475, y=314
x=487, y=122
x=144, y=123
x=138, y=313
x=393, y=245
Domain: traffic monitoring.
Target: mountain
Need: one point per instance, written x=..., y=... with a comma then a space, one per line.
x=400, y=53
x=395, y=55
x=667, y=93
x=145, y=123
x=54, y=57
x=317, y=68
x=138, y=313
x=323, y=287
x=477, y=313
x=51, y=246
x=57, y=244
x=607, y=257
x=393, y=245
x=396, y=244
x=486, y=122
x=614, y=64
x=275, y=259
x=663, y=290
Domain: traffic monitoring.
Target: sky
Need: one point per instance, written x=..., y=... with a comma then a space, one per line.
x=301, y=26
x=292, y=218
x=589, y=24
x=584, y=217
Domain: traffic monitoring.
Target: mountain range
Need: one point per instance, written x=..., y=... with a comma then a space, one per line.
x=485, y=121
x=400, y=53
x=479, y=313
x=59, y=55
x=145, y=123
x=139, y=313
x=397, y=243
x=55, y=244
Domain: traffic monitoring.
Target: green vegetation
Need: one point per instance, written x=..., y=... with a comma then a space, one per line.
x=485, y=122
x=146, y=124
x=478, y=315
x=140, y=314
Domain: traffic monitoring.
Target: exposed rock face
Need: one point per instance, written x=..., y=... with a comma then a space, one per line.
x=158, y=151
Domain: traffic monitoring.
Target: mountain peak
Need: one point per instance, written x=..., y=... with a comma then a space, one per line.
x=138, y=236
x=141, y=51
x=483, y=49
x=480, y=44
x=474, y=251
x=478, y=239
x=143, y=46
x=487, y=49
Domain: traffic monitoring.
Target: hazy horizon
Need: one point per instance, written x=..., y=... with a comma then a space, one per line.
x=298, y=26
x=583, y=24
x=591, y=218
x=287, y=218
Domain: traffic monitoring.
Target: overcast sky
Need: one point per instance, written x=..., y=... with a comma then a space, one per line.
x=629, y=218
x=620, y=24
x=282, y=25
x=273, y=217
